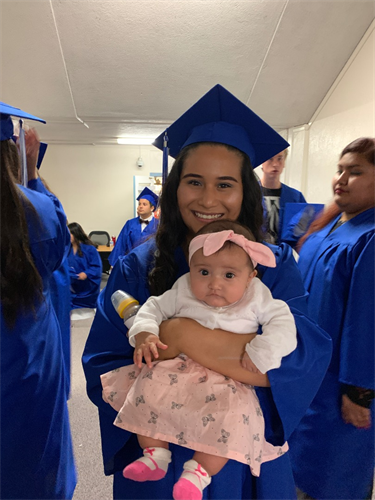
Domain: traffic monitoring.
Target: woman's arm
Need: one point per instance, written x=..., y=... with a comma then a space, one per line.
x=217, y=350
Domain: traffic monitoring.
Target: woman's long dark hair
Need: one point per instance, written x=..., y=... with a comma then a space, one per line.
x=172, y=230
x=79, y=236
x=364, y=146
x=21, y=283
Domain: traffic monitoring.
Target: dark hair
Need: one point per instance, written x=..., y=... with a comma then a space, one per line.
x=21, y=283
x=79, y=236
x=364, y=146
x=172, y=230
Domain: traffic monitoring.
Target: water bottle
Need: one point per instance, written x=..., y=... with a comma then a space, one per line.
x=126, y=306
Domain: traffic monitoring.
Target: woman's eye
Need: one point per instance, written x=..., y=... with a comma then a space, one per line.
x=355, y=172
x=194, y=183
x=224, y=185
x=204, y=272
x=229, y=275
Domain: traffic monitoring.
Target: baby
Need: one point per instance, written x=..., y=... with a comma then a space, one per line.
x=179, y=401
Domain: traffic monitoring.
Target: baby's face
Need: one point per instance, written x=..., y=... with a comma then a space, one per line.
x=222, y=278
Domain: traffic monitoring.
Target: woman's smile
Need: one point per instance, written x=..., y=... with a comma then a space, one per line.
x=210, y=186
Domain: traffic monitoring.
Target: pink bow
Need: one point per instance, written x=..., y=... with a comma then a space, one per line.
x=212, y=242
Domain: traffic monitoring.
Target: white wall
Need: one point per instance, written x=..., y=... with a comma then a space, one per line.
x=346, y=113
x=95, y=183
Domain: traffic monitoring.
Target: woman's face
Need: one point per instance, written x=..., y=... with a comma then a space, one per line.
x=210, y=186
x=354, y=184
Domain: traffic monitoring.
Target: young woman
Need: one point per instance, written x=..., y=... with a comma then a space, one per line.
x=216, y=142
x=85, y=268
x=333, y=447
x=36, y=447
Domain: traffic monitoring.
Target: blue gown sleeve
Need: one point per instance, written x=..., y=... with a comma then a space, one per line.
x=121, y=246
x=296, y=382
x=93, y=263
x=357, y=337
x=48, y=257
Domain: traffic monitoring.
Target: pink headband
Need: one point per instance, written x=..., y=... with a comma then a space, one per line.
x=212, y=242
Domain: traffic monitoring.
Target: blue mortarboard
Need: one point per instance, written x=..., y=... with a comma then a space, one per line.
x=150, y=196
x=7, y=131
x=220, y=117
x=6, y=112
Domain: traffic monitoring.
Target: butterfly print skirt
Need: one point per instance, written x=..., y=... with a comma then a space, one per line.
x=181, y=402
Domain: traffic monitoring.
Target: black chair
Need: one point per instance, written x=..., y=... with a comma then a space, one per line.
x=102, y=238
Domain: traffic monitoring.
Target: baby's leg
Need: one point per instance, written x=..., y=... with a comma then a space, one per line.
x=154, y=463
x=197, y=475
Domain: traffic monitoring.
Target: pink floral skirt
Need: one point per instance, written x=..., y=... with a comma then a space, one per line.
x=181, y=402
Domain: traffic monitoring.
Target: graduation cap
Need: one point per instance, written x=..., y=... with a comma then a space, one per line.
x=7, y=131
x=150, y=196
x=220, y=117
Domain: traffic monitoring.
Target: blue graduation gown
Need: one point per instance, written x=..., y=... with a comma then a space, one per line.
x=61, y=298
x=331, y=459
x=131, y=236
x=85, y=292
x=36, y=447
x=293, y=385
x=288, y=195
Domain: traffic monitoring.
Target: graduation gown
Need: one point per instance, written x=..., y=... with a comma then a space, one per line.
x=61, y=299
x=85, y=292
x=130, y=236
x=331, y=459
x=36, y=447
x=294, y=384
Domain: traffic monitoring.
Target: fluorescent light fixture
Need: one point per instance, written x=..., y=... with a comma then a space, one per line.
x=136, y=140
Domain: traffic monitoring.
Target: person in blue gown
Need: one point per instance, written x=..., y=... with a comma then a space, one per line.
x=333, y=447
x=36, y=447
x=215, y=144
x=276, y=195
x=85, y=268
x=138, y=229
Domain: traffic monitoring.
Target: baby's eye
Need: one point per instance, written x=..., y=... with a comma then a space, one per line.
x=229, y=275
x=204, y=272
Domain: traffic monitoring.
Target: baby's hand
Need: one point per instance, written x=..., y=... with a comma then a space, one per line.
x=146, y=346
x=248, y=364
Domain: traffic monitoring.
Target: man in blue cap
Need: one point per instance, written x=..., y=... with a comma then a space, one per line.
x=138, y=229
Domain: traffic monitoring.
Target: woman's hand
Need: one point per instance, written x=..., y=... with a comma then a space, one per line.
x=32, y=144
x=146, y=346
x=82, y=276
x=214, y=349
x=354, y=414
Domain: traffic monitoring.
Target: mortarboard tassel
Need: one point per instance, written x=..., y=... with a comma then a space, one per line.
x=21, y=139
x=165, y=158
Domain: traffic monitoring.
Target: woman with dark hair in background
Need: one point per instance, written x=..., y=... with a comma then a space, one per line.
x=36, y=448
x=85, y=268
x=215, y=144
x=332, y=450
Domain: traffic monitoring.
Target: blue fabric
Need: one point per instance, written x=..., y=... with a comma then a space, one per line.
x=130, y=236
x=220, y=117
x=331, y=459
x=288, y=195
x=293, y=385
x=85, y=292
x=36, y=447
x=297, y=219
x=61, y=298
